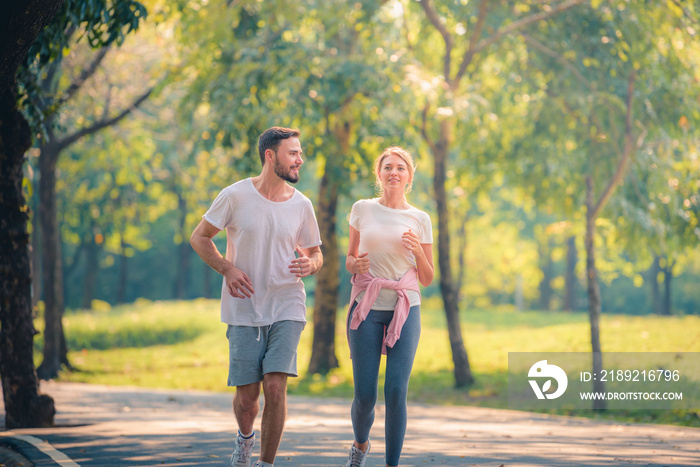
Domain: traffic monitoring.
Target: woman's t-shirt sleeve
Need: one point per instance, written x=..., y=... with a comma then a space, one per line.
x=427, y=228
x=355, y=215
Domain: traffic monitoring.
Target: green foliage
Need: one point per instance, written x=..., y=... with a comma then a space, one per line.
x=528, y=124
x=581, y=64
x=101, y=22
x=112, y=196
x=255, y=79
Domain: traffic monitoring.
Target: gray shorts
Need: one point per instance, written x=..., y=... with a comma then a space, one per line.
x=256, y=351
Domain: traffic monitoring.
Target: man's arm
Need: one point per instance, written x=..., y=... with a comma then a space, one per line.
x=237, y=282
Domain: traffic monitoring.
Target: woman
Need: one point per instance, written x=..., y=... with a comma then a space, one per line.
x=389, y=254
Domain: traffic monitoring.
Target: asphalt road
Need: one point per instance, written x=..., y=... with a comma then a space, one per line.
x=101, y=426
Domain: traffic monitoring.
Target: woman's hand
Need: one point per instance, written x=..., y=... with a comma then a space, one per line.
x=423, y=253
x=361, y=265
x=411, y=242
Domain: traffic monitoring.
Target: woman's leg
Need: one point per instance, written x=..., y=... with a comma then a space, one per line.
x=399, y=362
x=366, y=349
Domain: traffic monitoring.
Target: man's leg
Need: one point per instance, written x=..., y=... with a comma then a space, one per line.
x=280, y=361
x=274, y=415
x=245, y=406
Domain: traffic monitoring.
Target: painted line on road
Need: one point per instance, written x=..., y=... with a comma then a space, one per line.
x=46, y=448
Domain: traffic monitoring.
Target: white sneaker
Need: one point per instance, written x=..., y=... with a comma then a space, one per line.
x=242, y=451
x=357, y=458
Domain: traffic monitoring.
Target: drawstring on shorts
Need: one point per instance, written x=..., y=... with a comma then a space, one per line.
x=259, y=331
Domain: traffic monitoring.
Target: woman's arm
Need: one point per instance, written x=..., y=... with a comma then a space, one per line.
x=424, y=264
x=355, y=262
x=423, y=252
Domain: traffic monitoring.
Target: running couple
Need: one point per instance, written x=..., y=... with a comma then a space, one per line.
x=272, y=242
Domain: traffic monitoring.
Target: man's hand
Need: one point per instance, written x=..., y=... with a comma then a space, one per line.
x=238, y=284
x=301, y=266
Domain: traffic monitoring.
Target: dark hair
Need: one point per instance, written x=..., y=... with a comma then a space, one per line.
x=272, y=137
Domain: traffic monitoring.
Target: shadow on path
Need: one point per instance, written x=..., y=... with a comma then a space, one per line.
x=112, y=426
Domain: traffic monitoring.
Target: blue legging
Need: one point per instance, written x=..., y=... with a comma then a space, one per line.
x=366, y=348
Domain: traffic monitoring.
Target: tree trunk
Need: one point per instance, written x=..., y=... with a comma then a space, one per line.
x=594, y=305
x=653, y=274
x=123, y=273
x=462, y=258
x=91, y=270
x=546, y=266
x=20, y=24
x=184, y=248
x=323, y=357
x=668, y=278
x=52, y=267
x=519, y=297
x=570, y=281
x=24, y=406
x=36, y=257
x=463, y=375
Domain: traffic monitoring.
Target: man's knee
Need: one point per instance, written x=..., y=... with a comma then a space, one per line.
x=247, y=396
x=275, y=386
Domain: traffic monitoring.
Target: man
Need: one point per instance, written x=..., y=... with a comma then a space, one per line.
x=272, y=242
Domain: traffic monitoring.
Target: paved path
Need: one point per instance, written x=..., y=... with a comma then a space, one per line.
x=104, y=426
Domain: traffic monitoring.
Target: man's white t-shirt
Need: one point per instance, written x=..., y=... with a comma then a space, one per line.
x=261, y=238
x=380, y=231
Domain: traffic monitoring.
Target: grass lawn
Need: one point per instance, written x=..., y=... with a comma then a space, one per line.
x=183, y=345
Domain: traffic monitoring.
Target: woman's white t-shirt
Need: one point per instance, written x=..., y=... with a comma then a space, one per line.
x=261, y=238
x=380, y=231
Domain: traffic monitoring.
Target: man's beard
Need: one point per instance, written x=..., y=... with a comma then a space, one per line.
x=285, y=174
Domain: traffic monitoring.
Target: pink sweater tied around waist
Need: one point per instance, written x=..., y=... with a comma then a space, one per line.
x=371, y=286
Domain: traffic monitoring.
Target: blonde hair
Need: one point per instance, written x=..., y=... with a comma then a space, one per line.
x=404, y=155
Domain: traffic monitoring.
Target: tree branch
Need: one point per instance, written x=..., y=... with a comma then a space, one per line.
x=686, y=12
x=447, y=37
x=578, y=75
x=405, y=27
x=471, y=51
x=424, y=130
x=84, y=75
x=629, y=147
x=567, y=109
x=560, y=58
x=70, y=139
x=523, y=22
x=70, y=268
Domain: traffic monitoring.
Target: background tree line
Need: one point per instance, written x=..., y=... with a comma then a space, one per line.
x=557, y=145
